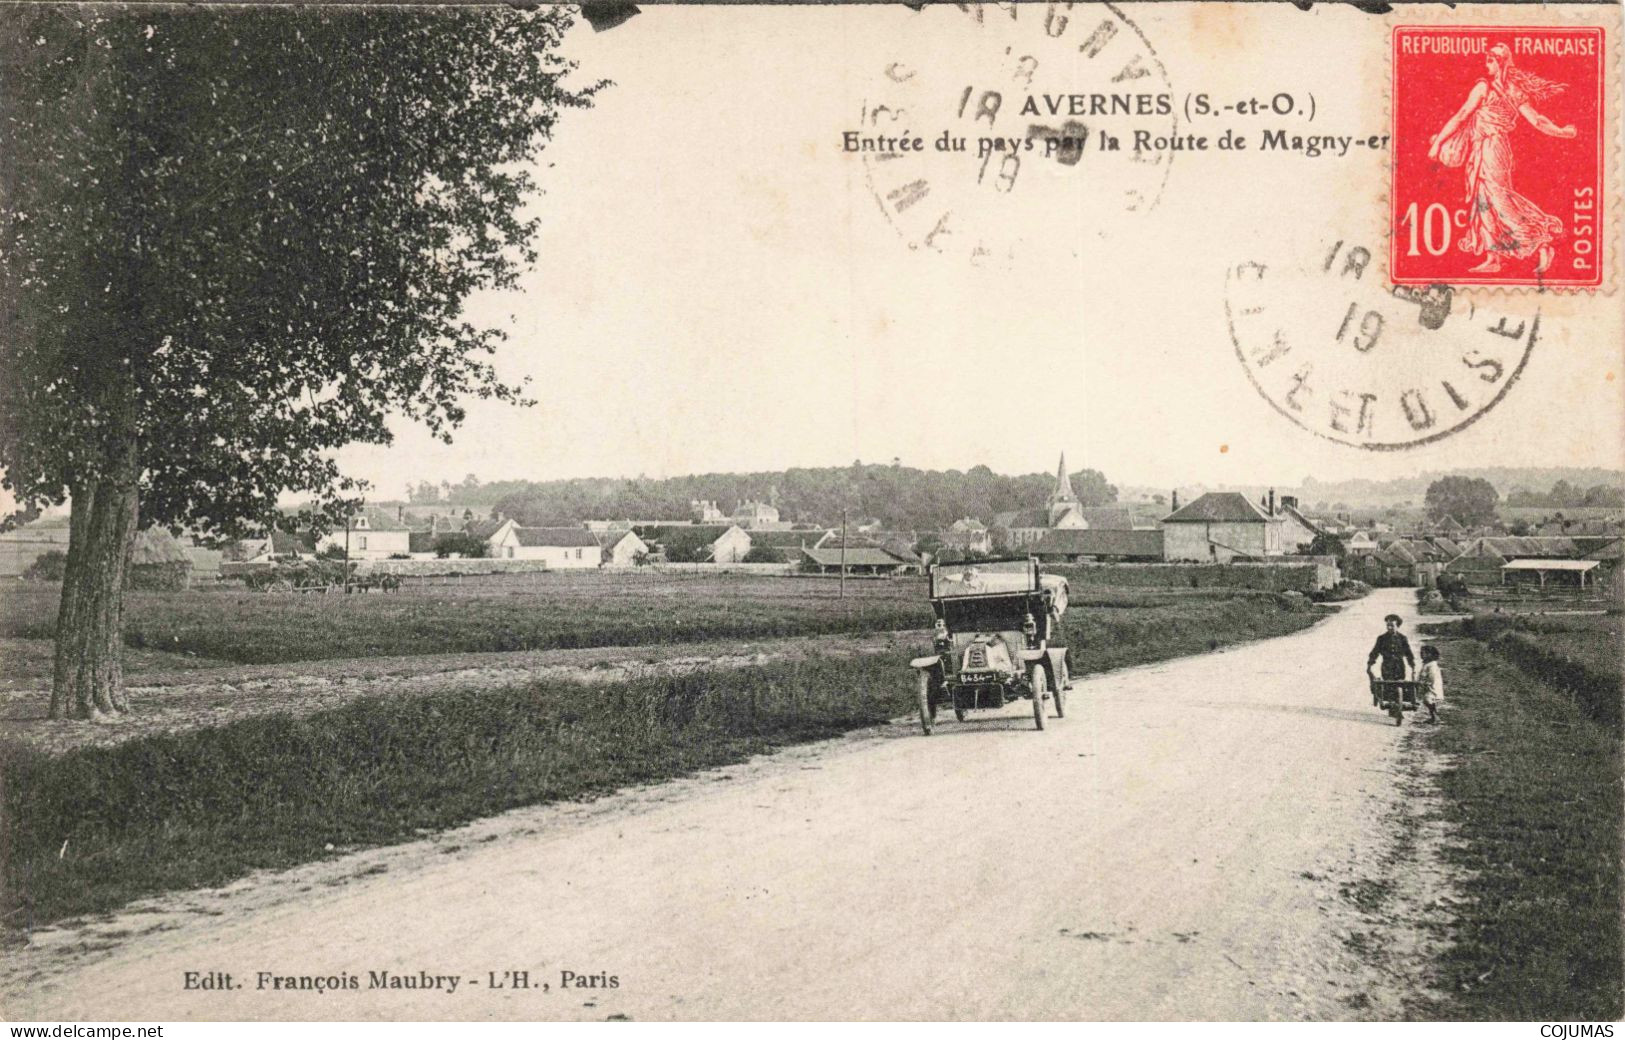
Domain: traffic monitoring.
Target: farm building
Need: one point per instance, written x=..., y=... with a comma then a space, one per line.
x=697, y=543
x=1479, y=564
x=1098, y=544
x=1395, y=564
x=1574, y=574
x=785, y=546
x=1219, y=526
x=967, y=534
x=620, y=547
x=564, y=548
x=857, y=560
x=1298, y=532
x=158, y=561
x=372, y=535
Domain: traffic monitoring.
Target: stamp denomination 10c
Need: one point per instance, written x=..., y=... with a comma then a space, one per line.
x=1498, y=156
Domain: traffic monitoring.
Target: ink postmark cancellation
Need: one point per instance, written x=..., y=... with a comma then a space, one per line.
x=1498, y=162
x=1019, y=116
x=1335, y=349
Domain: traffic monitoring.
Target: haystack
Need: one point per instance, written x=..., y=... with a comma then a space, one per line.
x=159, y=562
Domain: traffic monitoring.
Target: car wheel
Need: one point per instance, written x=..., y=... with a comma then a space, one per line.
x=927, y=716
x=1040, y=685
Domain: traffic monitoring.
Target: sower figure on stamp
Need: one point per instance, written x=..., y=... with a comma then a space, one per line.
x=1501, y=222
x=1394, y=650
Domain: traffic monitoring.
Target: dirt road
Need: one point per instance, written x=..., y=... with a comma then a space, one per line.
x=1195, y=840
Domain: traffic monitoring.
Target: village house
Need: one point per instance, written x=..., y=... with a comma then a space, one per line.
x=1298, y=531
x=562, y=548
x=705, y=511
x=1220, y=526
x=620, y=547
x=371, y=534
x=697, y=543
x=754, y=515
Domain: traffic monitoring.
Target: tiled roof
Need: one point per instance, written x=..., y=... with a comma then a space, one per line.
x=377, y=520
x=1021, y=518
x=554, y=537
x=484, y=528
x=684, y=536
x=1297, y=515
x=1107, y=518
x=856, y=557
x=787, y=539
x=1218, y=507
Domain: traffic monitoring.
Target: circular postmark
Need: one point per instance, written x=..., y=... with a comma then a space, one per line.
x=1019, y=129
x=1349, y=358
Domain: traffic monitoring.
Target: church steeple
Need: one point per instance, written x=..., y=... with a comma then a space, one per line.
x=1062, y=498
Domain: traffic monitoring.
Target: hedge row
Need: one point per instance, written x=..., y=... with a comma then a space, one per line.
x=1553, y=649
x=1597, y=692
x=1263, y=577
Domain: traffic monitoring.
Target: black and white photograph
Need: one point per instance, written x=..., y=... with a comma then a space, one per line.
x=817, y=512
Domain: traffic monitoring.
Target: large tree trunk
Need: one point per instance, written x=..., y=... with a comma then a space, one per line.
x=89, y=678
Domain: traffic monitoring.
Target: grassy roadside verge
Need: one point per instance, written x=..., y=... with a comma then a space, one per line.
x=87, y=830
x=1534, y=794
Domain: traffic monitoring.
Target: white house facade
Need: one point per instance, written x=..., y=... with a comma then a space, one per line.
x=563, y=548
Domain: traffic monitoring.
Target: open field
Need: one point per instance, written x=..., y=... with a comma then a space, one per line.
x=206, y=803
x=561, y=611
x=565, y=611
x=1580, y=654
x=1532, y=792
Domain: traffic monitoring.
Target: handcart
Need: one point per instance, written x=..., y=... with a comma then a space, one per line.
x=1395, y=696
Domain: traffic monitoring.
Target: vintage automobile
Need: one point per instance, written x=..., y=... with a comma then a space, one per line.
x=994, y=622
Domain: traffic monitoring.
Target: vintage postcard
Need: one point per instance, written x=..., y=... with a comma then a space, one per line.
x=1038, y=511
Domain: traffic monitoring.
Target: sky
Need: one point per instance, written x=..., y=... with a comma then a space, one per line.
x=719, y=291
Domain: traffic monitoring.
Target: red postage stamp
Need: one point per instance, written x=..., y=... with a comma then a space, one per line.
x=1498, y=156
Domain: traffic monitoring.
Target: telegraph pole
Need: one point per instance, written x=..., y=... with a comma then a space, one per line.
x=843, y=552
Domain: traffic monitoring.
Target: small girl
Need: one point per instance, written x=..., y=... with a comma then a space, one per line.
x=1431, y=682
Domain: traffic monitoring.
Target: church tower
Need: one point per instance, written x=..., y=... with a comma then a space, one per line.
x=1062, y=500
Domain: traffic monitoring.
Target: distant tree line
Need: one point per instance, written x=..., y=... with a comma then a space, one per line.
x=1565, y=495
x=899, y=497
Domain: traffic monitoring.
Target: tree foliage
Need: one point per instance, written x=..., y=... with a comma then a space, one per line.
x=235, y=240
x=1325, y=544
x=901, y=498
x=1471, y=500
x=461, y=543
x=1565, y=495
